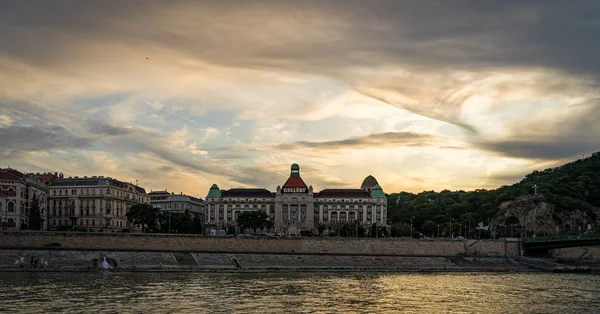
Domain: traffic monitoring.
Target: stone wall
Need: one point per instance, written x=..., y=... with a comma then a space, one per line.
x=262, y=244
x=582, y=252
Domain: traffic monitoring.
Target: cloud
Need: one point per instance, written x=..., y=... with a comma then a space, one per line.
x=17, y=140
x=369, y=141
x=556, y=139
x=99, y=128
x=298, y=80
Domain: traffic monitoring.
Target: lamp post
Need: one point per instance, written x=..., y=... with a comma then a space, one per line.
x=411, y=218
x=438, y=230
x=169, y=222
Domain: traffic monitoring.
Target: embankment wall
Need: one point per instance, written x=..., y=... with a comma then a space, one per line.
x=387, y=246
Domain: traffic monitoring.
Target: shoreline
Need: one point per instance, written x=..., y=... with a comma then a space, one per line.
x=278, y=270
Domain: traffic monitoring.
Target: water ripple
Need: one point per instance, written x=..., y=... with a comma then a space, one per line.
x=297, y=293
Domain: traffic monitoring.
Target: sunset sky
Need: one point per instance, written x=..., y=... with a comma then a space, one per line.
x=423, y=95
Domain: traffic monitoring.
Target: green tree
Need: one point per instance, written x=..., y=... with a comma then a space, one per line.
x=321, y=228
x=176, y=222
x=35, y=216
x=401, y=229
x=430, y=229
x=254, y=219
x=145, y=215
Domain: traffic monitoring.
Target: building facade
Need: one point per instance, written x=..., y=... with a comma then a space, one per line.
x=17, y=191
x=97, y=203
x=294, y=206
x=177, y=203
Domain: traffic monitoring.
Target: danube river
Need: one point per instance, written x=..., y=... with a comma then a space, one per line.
x=307, y=293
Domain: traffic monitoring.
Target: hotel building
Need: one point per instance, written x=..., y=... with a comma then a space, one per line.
x=17, y=190
x=295, y=206
x=95, y=203
x=177, y=203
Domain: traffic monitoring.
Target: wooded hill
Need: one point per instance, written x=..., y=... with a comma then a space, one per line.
x=573, y=186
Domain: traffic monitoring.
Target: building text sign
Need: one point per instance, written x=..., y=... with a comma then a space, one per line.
x=294, y=190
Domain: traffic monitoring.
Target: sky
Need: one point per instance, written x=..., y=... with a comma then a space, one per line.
x=423, y=95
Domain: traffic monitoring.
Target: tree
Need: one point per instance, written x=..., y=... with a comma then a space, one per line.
x=430, y=228
x=401, y=229
x=321, y=229
x=176, y=222
x=145, y=215
x=35, y=216
x=254, y=219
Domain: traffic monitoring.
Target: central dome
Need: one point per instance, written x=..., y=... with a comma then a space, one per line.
x=368, y=183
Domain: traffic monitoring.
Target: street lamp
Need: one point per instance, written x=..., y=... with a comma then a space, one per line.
x=438, y=230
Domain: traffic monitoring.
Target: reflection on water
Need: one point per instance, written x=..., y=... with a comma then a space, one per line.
x=275, y=293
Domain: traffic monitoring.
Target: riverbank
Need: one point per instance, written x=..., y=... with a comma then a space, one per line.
x=59, y=260
x=304, y=245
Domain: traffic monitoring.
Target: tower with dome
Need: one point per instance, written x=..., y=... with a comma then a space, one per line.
x=294, y=206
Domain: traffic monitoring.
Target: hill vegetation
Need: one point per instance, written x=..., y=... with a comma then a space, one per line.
x=573, y=186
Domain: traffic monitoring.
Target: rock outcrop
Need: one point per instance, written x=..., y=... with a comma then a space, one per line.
x=533, y=215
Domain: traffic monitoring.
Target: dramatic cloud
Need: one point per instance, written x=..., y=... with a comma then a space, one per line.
x=423, y=94
x=106, y=129
x=17, y=140
x=551, y=139
x=369, y=141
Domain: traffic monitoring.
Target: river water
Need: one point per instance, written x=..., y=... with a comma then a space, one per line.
x=306, y=293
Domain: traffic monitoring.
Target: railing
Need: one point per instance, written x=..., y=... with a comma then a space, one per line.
x=565, y=237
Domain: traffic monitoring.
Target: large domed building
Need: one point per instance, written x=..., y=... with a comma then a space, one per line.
x=294, y=206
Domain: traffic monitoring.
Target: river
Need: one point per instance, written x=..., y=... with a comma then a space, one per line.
x=307, y=293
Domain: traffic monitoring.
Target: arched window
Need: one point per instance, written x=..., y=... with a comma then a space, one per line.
x=107, y=191
x=12, y=192
x=11, y=207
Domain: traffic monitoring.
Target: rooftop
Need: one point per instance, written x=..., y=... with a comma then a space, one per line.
x=294, y=182
x=76, y=181
x=344, y=193
x=246, y=193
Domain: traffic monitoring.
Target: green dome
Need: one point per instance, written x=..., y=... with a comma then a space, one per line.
x=377, y=192
x=214, y=191
x=295, y=170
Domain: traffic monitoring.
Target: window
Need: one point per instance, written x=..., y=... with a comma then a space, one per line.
x=11, y=207
x=12, y=192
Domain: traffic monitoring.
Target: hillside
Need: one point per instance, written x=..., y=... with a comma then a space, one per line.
x=573, y=187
